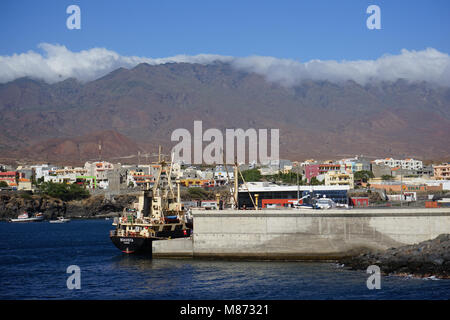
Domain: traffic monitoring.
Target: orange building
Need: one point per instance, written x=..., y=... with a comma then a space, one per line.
x=197, y=182
x=397, y=187
x=442, y=171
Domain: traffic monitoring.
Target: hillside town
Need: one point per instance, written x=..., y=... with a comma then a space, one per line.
x=277, y=184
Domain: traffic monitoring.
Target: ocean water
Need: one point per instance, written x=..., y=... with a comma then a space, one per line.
x=34, y=258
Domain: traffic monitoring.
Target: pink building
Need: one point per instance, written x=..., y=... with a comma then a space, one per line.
x=311, y=170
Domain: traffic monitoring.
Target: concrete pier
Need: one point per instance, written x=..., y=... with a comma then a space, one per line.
x=173, y=248
x=304, y=235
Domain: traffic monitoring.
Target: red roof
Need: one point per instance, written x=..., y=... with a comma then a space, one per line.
x=8, y=173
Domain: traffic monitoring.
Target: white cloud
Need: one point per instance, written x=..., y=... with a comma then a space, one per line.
x=57, y=63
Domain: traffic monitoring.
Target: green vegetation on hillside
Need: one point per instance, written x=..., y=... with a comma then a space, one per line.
x=363, y=175
x=63, y=191
x=196, y=193
x=252, y=175
x=286, y=178
x=316, y=182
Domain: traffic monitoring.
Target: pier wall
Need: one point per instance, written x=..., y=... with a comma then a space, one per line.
x=316, y=235
x=181, y=247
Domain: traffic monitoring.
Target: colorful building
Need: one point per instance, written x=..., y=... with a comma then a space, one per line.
x=197, y=183
x=9, y=177
x=359, y=201
x=442, y=172
x=336, y=178
x=396, y=186
x=311, y=170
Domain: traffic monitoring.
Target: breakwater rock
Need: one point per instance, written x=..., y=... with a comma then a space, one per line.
x=425, y=259
x=12, y=204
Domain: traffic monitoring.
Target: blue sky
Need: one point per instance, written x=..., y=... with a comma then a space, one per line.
x=300, y=30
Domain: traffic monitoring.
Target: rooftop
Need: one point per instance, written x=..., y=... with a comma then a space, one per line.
x=266, y=186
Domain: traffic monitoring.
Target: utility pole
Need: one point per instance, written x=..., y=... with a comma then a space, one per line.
x=298, y=186
x=236, y=186
x=401, y=186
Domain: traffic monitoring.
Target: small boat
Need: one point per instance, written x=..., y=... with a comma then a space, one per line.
x=60, y=220
x=304, y=207
x=25, y=217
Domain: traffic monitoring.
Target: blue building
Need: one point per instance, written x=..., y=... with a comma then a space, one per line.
x=286, y=194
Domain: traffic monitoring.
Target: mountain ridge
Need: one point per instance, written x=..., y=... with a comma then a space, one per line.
x=144, y=104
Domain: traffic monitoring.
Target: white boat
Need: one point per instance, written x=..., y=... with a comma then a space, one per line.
x=26, y=218
x=60, y=220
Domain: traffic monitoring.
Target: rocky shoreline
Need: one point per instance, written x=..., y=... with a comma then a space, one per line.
x=13, y=204
x=426, y=259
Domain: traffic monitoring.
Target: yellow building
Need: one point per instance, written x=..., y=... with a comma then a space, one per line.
x=336, y=178
x=287, y=169
x=442, y=171
x=25, y=184
x=193, y=182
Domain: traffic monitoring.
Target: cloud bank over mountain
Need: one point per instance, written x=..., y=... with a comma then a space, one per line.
x=56, y=63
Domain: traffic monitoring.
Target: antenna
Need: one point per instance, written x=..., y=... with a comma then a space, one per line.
x=100, y=150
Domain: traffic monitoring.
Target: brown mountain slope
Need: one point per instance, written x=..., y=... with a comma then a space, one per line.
x=104, y=144
x=146, y=103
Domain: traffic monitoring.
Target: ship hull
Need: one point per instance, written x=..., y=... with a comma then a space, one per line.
x=133, y=244
x=28, y=220
x=141, y=245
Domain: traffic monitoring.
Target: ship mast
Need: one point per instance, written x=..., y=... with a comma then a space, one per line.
x=163, y=198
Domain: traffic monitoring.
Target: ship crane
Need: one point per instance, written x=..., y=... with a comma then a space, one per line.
x=236, y=174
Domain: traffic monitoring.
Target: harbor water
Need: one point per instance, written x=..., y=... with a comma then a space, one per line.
x=34, y=258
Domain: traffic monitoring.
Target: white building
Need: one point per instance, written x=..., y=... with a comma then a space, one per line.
x=407, y=164
x=221, y=176
x=98, y=169
x=62, y=175
x=42, y=170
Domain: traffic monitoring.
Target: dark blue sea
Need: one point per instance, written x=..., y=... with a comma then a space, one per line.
x=34, y=258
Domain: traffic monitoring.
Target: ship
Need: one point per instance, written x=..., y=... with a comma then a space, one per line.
x=157, y=215
x=60, y=220
x=25, y=217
